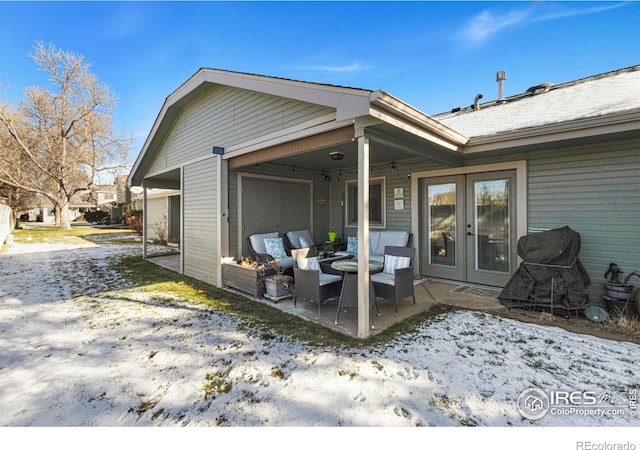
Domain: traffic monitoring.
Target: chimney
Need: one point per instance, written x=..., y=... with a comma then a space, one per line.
x=500, y=77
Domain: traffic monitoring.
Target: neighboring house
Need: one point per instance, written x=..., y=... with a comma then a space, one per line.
x=43, y=210
x=250, y=153
x=163, y=215
x=6, y=222
x=113, y=199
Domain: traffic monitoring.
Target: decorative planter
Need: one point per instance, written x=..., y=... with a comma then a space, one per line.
x=274, y=289
x=244, y=278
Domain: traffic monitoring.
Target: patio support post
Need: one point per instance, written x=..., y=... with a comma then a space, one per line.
x=144, y=222
x=182, y=220
x=363, y=235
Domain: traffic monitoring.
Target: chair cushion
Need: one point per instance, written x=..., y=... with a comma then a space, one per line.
x=327, y=278
x=378, y=240
x=352, y=244
x=308, y=263
x=286, y=262
x=376, y=258
x=275, y=248
x=295, y=238
x=257, y=241
x=391, y=263
x=304, y=243
x=384, y=278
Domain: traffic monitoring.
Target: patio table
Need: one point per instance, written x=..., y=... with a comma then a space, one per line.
x=349, y=292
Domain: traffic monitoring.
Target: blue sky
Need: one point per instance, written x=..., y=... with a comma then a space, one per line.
x=433, y=55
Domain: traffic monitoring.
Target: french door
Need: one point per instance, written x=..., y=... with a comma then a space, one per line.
x=469, y=227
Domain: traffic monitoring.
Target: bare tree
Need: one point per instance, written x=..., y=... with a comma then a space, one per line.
x=57, y=142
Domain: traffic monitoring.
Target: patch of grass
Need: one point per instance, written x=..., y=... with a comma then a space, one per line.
x=144, y=406
x=351, y=375
x=277, y=373
x=269, y=323
x=37, y=233
x=622, y=325
x=216, y=384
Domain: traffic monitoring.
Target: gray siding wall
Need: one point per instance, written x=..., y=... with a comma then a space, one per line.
x=595, y=190
x=394, y=178
x=225, y=117
x=200, y=202
x=157, y=216
x=319, y=190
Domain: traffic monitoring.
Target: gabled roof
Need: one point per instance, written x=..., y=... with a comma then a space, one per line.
x=585, y=104
x=349, y=103
x=595, y=106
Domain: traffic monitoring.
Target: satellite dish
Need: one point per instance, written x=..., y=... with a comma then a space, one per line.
x=136, y=190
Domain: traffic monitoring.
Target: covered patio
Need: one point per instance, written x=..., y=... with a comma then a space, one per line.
x=428, y=293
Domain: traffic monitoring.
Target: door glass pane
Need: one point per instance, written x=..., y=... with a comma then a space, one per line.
x=442, y=224
x=492, y=225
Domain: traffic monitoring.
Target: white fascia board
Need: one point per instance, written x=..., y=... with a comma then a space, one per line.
x=576, y=129
x=407, y=112
x=159, y=193
x=348, y=102
x=413, y=129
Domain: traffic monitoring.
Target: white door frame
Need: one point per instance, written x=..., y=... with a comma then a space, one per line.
x=521, y=194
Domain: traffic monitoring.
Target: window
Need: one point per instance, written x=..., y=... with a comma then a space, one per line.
x=376, y=203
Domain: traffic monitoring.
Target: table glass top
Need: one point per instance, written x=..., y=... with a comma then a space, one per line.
x=350, y=265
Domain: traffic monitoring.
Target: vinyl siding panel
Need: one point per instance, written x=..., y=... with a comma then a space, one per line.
x=200, y=202
x=157, y=214
x=595, y=191
x=225, y=117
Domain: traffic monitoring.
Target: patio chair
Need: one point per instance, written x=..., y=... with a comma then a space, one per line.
x=299, y=239
x=268, y=248
x=395, y=282
x=310, y=282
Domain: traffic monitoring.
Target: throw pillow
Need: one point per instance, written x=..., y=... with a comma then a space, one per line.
x=304, y=243
x=352, y=244
x=275, y=248
x=391, y=263
x=309, y=263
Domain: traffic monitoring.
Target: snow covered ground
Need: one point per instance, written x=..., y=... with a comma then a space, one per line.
x=74, y=353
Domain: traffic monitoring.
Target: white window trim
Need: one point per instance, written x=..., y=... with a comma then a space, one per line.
x=383, y=200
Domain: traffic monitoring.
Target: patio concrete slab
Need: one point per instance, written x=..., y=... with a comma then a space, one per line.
x=428, y=294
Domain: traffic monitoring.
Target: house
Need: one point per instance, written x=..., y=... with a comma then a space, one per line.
x=43, y=210
x=111, y=199
x=250, y=153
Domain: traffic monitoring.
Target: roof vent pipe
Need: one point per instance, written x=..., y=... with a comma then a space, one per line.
x=500, y=77
x=476, y=106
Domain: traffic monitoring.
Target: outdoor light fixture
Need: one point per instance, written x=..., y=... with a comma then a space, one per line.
x=218, y=150
x=336, y=156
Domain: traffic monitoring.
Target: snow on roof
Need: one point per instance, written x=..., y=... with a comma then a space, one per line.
x=591, y=97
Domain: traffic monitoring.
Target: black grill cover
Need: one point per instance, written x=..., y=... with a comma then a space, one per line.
x=551, y=275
